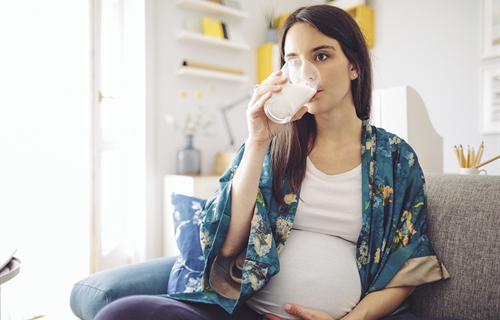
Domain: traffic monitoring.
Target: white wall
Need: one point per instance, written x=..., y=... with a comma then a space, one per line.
x=434, y=47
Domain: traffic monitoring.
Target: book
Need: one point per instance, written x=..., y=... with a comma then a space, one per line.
x=212, y=27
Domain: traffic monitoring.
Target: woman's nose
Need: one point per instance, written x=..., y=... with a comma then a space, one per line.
x=308, y=71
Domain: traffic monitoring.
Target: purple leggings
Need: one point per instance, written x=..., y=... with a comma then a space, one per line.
x=159, y=308
x=144, y=307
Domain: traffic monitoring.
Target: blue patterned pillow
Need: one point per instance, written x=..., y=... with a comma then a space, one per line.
x=188, y=269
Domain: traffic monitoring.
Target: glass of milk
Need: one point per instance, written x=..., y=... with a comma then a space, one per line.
x=303, y=79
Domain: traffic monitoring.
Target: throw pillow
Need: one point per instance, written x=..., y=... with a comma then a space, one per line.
x=188, y=269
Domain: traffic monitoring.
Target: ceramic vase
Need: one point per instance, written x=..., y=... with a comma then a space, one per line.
x=271, y=35
x=188, y=158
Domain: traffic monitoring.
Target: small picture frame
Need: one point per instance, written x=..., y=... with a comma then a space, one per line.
x=490, y=33
x=490, y=100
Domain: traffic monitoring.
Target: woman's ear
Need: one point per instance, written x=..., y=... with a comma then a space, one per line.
x=354, y=73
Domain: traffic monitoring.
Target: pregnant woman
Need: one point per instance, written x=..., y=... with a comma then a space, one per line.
x=327, y=213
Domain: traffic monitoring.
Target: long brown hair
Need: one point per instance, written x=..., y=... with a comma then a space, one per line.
x=290, y=148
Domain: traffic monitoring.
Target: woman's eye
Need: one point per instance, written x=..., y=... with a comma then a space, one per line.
x=321, y=56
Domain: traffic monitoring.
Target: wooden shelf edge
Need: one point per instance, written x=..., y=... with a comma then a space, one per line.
x=198, y=72
x=213, y=8
x=185, y=35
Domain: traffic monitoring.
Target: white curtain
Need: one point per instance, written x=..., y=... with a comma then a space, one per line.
x=45, y=148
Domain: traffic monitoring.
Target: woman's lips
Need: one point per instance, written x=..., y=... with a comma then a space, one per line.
x=317, y=92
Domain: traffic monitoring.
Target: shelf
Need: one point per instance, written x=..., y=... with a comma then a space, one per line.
x=198, y=72
x=190, y=36
x=207, y=6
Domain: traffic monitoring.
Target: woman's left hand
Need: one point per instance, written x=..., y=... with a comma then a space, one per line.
x=301, y=312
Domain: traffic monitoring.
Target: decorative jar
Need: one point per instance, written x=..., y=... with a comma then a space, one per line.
x=188, y=158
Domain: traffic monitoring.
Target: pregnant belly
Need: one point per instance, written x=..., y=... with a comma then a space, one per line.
x=317, y=271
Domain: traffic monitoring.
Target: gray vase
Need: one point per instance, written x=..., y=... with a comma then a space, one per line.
x=271, y=35
x=188, y=158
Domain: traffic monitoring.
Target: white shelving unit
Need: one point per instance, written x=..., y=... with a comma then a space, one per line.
x=204, y=73
x=212, y=7
x=199, y=38
x=190, y=36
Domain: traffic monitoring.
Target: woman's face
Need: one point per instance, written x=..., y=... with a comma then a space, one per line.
x=334, y=89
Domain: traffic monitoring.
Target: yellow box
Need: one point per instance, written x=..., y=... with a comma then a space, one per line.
x=268, y=60
x=364, y=17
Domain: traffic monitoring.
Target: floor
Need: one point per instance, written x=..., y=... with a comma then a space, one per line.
x=30, y=316
x=12, y=312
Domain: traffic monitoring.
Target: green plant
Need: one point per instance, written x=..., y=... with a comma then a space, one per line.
x=270, y=18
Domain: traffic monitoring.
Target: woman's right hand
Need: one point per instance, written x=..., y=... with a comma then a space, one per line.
x=245, y=183
x=260, y=127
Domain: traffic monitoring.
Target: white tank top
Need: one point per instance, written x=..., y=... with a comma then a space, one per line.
x=318, y=262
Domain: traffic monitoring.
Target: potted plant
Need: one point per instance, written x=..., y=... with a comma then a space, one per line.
x=271, y=23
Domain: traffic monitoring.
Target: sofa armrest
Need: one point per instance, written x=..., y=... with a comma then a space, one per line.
x=91, y=294
x=464, y=229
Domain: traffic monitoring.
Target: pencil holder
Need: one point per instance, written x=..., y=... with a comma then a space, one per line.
x=472, y=171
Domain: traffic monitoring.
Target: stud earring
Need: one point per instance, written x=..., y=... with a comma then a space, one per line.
x=355, y=75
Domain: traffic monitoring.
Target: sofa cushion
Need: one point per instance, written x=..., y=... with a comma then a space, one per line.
x=464, y=224
x=188, y=269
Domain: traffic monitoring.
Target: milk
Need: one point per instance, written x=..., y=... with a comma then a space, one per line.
x=285, y=104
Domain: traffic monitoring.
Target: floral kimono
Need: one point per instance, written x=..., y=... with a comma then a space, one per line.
x=393, y=248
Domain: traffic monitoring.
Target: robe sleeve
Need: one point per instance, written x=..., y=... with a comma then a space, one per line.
x=422, y=266
x=261, y=258
x=411, y=260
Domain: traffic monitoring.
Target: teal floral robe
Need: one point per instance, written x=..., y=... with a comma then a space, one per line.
x=392, y=243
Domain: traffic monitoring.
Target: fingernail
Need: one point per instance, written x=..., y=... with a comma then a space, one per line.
x=288, y=307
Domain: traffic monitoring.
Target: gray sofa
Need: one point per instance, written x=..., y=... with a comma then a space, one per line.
x=464, y=227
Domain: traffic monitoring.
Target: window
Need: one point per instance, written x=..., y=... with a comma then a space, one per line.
x=119, y=211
